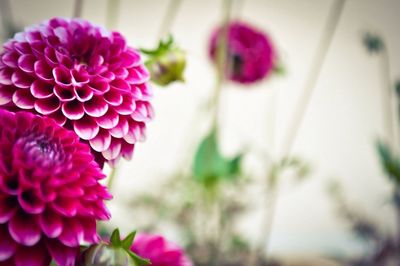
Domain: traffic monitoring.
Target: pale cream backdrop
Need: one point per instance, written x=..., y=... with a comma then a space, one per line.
x=342, y=122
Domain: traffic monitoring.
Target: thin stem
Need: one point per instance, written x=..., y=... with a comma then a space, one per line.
x=315, y=71
x=112, y=177
x=112, y=13
x=78, y=7
x=389, y=104
x=6, y=19
x=169, y=17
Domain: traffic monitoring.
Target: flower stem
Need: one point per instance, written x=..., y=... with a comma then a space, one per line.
x=315, y=71
x=112, y=13
x=111, y=177
x=78, y=6
x=169, y=17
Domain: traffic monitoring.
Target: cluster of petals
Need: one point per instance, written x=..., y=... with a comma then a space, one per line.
x=250, y=53
x=160, y=251
x=85, y=78
x=50, y=195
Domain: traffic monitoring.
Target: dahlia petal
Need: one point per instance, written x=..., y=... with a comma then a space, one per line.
x=5, y=76
x=59, y=117
x=31, y=202
x=50, y=56
x=73, y=110
x=38, y=48
x=130, y=59
x=24, y=233
x=96, y=107
x=7, y=209
x=113, y=151
x=121, y=129
x=66, y=206
x=134, y=132
x=32, y=256
x=113, y=97
x=108, y=75
x=62, y=76
x=64, y=94
x=23, y=99
x=33, y=36
x=138, y=75
x=143, y=112
x=109, y=120
x=43, y=70
x=47, y=106
x=26, y=63
x=101, y=142
x=6, y=93
x=136, y=92
x=86, y=128
x=51, y=224
x=121, y=73
x=61, y=254
x=127, y=150
x=83, y=94
x=99, y=86
x=96, y=60
x=127, y=107
x=41, y=90
x=120, y=85
x=79, y=78
x=7, y=244
x=10, y=59
x=21, y=80
x=89, y=227
x=22, y=47
x=72, y=233
x=62, y=34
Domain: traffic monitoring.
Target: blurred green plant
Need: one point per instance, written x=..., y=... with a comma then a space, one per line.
x=373, y=42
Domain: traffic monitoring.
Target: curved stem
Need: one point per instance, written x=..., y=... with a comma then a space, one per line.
x=111, y=177
x=169, y=17
x=315, y=71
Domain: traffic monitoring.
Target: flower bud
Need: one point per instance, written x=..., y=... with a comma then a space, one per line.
x=106, y=255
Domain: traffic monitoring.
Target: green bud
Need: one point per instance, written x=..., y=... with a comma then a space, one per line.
x=166, y=63
x=106, y=255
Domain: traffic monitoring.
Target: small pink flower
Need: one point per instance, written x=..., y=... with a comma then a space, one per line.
x=85, y=78
x=251, y=55
x=50, y=196
x=160, y=251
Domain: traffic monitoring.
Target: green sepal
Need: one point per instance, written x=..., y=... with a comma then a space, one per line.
x=390, y=163
x=115, y=238
x=128, y=241
x=139, y=261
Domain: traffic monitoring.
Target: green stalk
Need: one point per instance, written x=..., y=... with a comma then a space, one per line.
x=169, y=18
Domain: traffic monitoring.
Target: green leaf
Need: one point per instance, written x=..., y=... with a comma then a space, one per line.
x=127, y=242
x=390, y=164
x=373, y=42
x=115, y=238
x=138, y=260
x=210, y=165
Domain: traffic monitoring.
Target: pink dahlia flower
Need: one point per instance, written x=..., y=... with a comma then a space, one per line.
x=251, y=55
x=84, y=77
x=50, y=196
x=160, y=251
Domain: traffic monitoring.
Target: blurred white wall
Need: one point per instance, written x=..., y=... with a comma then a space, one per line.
x=342, y=122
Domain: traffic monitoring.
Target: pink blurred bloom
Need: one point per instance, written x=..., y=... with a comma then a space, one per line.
x=251, y=55
x=160, y=251
x=84, y=77
x=50, y=196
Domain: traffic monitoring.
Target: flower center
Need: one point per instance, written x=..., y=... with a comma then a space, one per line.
x=40, y=149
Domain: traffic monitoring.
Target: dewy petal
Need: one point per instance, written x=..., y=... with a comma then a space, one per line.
x=108, y=120
x=26, y=63
x=86, y=128
x=41, y=90
x=32, y=256
x=5, y=76
x=73, y=110
x=96, y=107
x=51, y=224
x=101, y=142
x=7, y=244
x=24, y=233
x=47, y=106
x=23, y=99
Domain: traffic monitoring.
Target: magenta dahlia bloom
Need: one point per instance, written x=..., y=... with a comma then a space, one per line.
x=251, y=55
x=50, y=196
x=84, y=77
x=160, y=251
